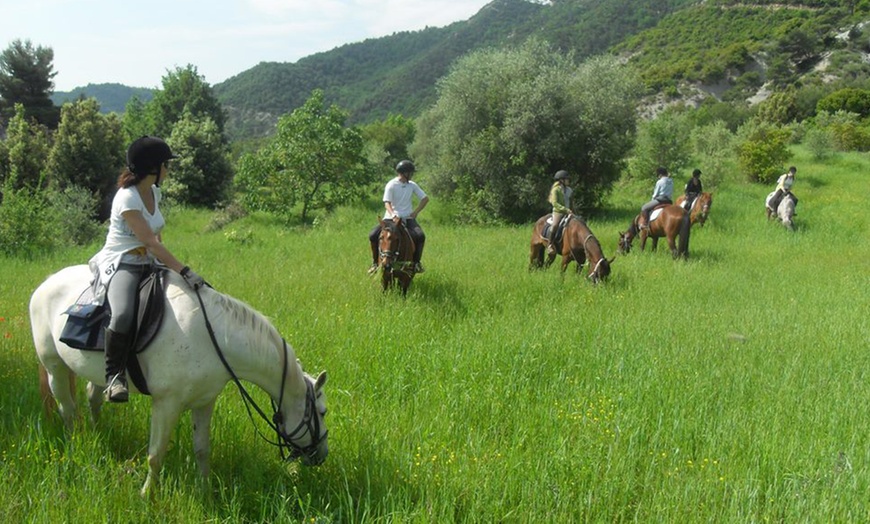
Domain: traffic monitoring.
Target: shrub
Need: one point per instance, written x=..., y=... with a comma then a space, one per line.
x=77, y=206
x=26, y=227
x=762, y=150
x=819, y=142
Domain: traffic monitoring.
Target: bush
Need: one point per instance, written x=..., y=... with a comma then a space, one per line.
x=27, y=228
x=762, y=150
x=819, y=142
x=77, y=206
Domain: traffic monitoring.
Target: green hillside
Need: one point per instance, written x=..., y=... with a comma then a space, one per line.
x=112, y=97
x=675, y=44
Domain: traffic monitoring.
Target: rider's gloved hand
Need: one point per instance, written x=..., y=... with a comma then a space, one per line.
x=193, y=280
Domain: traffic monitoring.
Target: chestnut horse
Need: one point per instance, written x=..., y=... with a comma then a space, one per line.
x=700, y=207
x=577, y=244
x=396, y=254
x=665, y=221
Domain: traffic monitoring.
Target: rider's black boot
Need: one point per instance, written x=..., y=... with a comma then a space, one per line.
x=117, y=348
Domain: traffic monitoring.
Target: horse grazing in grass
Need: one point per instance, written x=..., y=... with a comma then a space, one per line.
x=784, y=211
x=577, y=243
x=205, y=340
x=700, y=207
x=396, y=255
x=667, y=221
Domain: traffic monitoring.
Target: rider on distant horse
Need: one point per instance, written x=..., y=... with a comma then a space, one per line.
x=693, y=189
x=662, y=194
x=560, y=198
x=783, y=187
x=398, y=202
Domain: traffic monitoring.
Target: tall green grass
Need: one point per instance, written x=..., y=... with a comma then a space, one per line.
x=731, y=387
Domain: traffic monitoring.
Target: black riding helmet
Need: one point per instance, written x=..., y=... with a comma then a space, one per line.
x=145, y=155
x=561, y=174
x=405, y=167
x=696, y=172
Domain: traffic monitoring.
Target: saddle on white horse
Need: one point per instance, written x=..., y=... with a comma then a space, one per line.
x=87, y=320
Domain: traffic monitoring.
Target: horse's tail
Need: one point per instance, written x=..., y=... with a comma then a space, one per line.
x=685, y=230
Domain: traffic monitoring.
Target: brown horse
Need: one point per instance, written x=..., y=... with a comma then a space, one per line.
x=673, y=221
x=396, y=254
x=700, y=207
x=577, y=244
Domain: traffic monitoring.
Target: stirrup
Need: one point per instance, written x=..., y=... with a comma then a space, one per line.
x=418, y=268
x=373, y=269
x=116, y=391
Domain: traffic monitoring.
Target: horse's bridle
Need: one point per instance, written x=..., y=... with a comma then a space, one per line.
x=388, y=257
x=310, y=423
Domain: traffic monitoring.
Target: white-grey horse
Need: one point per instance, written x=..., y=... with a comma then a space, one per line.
x=784, y=212
x=183, y=368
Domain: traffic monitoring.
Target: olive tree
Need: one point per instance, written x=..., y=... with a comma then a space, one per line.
x=313, y=160
x=506, y=120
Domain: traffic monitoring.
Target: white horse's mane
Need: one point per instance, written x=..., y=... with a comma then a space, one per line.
x=244, y=316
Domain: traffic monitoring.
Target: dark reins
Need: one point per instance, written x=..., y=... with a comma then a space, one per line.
x=310, y=423
x=392, y=256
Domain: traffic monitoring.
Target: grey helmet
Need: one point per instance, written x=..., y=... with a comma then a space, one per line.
x=561, y=175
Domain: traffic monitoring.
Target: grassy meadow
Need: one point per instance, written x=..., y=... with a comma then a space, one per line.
x=732, y=387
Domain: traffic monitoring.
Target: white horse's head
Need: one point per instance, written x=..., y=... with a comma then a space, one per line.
x=308, y=440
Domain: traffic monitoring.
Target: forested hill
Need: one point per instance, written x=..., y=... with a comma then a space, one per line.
x=729, y=47
x=398, y=73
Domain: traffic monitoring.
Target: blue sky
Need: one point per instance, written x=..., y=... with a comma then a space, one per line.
x=135, y=43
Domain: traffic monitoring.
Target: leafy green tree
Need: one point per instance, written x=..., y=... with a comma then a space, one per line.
x=88, y=151
x=202, y=173
x=662, y=141
x=506, y=120
x=762, y=150
x=184, y=90
x=780, y=107
x=392, y=135
x=136, y=121
x=313, y=159
x=712, y=150
x=26, y=146
x=26, y=74
x=849, y=99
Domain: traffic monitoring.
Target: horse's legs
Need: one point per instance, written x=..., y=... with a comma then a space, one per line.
x=549, y=261
x=201, y=418
x=61, y=383
x=95, y=400
x=643, y=236
x=655, y=243
x=672, y=244
x=164, y=416
x=536, y=256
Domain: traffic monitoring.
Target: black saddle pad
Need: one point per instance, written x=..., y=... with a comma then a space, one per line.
x=86, y=322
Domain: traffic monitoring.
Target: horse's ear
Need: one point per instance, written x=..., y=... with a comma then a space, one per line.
x=321, y=380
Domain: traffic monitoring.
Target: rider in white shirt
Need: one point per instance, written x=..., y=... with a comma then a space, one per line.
x=398, y=202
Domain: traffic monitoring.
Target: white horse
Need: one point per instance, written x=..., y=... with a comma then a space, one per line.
x=183, y=368
x=784, y=212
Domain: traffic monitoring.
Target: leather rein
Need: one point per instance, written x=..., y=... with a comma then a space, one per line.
x=310, y=423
